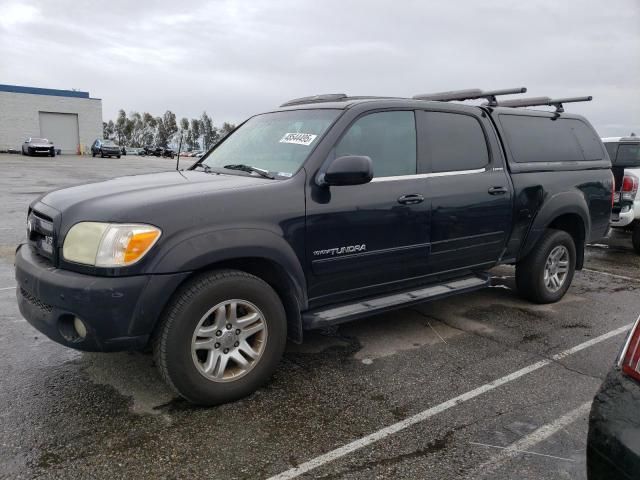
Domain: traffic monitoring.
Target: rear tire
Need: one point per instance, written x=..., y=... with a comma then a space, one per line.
x=118, y=156
x=635, y=237
x=545, y=274
x=93, y=154
x=200, y=314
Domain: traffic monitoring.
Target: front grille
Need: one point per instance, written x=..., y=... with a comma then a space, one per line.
x=35, y=301
x=41, y=235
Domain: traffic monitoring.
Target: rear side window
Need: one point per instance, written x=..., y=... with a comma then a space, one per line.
x=454, y=142
x=388, y=138
x=543, y=139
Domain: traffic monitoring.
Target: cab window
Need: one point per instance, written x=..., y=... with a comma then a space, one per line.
x=388, y=138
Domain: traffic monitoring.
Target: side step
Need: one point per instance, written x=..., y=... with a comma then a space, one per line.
x=350, y=311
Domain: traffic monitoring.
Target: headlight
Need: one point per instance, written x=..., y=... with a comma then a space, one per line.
x=108, y=244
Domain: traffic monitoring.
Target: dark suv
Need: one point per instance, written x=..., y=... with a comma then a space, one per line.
x=327, y=209
x=105, y=148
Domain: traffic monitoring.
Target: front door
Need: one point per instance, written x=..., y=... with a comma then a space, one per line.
x=469, y=190
x=367, y=238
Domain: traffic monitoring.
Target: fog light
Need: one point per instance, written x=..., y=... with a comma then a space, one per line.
x=78, y=325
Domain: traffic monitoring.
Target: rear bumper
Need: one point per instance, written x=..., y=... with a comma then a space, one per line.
x=613, y=445
x=119, y=313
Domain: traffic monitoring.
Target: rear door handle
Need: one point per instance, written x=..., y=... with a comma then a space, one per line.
x=497, y=191
x=411, y=199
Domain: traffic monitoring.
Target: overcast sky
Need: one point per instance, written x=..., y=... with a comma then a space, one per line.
x=233, y=59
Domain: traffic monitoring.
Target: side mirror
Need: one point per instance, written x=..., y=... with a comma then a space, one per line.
x=347, y=170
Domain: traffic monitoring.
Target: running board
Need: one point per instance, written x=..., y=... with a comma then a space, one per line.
x=350, y=311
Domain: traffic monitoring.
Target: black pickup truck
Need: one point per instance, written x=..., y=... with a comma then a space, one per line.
x=327, y=209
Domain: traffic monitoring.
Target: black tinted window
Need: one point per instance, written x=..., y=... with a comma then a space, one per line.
x=388, y=138
x=612, y=150
x=628, y=155
x=543, y=139
x=454, y=142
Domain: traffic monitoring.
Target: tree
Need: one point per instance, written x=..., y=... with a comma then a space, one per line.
x=109, y=130
x=194, y=134
x=208, y=131
x=170, y=126
x=121, y=127
x=183, y=133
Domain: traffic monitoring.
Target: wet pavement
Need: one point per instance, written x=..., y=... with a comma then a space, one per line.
x=66, y=414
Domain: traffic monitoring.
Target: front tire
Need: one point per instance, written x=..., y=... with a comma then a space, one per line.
x=635, y=237
x=545, y=274
x=221, y=337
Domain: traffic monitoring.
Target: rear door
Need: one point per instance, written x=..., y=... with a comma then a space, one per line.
x=468, y=187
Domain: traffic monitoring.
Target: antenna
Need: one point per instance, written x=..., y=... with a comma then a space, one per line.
x=179, y=149
x=546, y=101
x=470, y=94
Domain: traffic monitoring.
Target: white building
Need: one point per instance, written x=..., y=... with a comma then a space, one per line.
x=69, y=118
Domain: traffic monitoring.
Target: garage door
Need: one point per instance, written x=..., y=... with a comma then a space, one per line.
x=61, y=129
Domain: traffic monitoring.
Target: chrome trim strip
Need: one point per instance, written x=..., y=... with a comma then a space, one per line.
x=429, y=175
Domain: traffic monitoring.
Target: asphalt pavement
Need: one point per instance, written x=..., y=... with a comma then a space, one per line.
x=483, y=385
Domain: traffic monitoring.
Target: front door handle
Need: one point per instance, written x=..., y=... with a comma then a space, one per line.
x=497, y=191
x=411, y=199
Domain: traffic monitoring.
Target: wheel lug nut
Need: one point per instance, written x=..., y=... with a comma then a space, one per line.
x=238, y=332
x=218, y=333
x=228, y=326
x=226, y=350
x=217, y=345
x=236, y=344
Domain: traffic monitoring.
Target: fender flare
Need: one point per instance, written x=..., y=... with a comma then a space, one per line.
x=572, y=202
x=194, y=252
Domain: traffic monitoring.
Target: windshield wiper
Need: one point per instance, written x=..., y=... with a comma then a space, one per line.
x=249, y=169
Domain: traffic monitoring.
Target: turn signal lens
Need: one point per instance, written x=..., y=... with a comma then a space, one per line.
x=138, y=245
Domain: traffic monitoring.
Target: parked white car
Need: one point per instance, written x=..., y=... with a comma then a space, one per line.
x=625, y=159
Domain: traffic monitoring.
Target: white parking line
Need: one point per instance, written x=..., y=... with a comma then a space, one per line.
x=530, y=441
x=7, y=288
x=526, y=452
x=430, y=412
x=622, y=277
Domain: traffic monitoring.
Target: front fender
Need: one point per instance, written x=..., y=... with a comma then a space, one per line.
x=206, y=248
x=562, y=203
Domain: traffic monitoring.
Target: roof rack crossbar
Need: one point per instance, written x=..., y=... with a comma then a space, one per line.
x=547, y=101
x=326, y=97
x=470, y=94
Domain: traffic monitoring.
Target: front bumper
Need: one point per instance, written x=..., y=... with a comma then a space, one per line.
x=119, y=313
x=613, y=445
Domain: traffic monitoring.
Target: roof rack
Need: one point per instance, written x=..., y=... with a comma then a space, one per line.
x=470, y=94
x=326, y=97
x=537, y=101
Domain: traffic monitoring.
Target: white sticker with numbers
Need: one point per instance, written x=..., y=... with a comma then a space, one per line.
x=298, y=138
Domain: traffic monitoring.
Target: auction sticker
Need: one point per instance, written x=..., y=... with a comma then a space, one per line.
x=298, y=138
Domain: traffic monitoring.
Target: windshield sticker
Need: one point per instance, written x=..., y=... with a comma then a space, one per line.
x=285, y=174
x=298, y=138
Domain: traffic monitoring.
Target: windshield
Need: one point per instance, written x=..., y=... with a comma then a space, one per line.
x=39, y=140
x=108, y=143
x=278, y=142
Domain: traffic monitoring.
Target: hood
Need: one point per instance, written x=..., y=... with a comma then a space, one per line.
x=112, y=199
x=40, y=145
